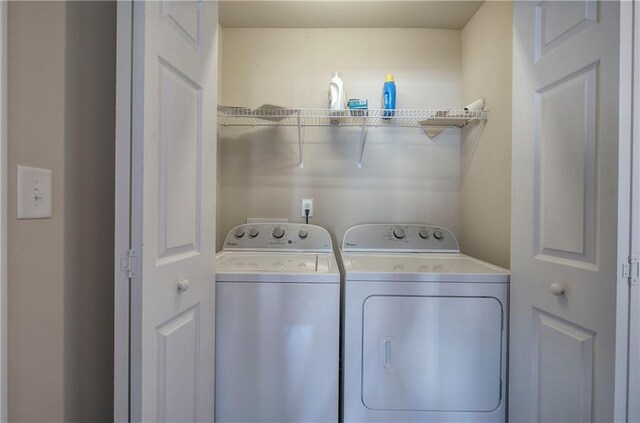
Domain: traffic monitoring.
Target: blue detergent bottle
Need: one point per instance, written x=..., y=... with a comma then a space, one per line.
x=389, y=96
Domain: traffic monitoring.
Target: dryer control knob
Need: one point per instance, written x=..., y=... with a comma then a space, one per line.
x=438, y=235
x=424, y=234
x=303, y=233
x=253, y=232
x=239, y=232
x=278, y=232
x=399, y=233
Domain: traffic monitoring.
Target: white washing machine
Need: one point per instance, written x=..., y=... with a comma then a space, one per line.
x=277, y=325
x=425, y=328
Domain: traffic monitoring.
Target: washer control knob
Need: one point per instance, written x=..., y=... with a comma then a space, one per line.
x=424, y=234
x=438, y=235
x=253, y=232
x=399, y=233
x=278, y=232
x=239, y=232
x=303, y=233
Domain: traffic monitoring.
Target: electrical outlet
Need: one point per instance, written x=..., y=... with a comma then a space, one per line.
x=307, y=203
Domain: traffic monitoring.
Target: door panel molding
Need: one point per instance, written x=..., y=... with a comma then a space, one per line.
x=186, y=19
x=563, y=355
x=180, y=133
x=565, y=171
x=550, y=33
x=178, y=342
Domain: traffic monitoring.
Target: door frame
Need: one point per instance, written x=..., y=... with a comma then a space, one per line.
x=122, y=241
x=3, y=211
x=628, y=297
x=625, y=139
x=628, y=293
x=633, y=408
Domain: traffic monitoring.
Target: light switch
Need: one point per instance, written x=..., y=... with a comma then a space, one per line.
x=34, y=193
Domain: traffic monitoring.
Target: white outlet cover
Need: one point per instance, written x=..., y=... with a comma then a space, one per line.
x=34, y=191
x=306, y=201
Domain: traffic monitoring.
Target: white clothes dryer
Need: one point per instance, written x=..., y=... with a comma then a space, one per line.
x=425, y=328
x=277, y=325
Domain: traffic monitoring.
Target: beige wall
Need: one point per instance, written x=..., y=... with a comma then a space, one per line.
x=485, y=200
x=61, y=99
x=404, y=177
x=36, y=135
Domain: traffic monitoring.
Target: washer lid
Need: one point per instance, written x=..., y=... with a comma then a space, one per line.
x=420, y=267
x=276, y=267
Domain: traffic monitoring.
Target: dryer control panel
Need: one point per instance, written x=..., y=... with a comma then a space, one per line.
x=414, y=238
x=278, y=236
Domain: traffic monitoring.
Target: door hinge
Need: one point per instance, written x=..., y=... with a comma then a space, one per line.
x=129, y=263
x=631, y=270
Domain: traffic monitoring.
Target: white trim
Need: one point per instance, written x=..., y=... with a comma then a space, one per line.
x=633, y=406
x=627, y=365
x=624, y=172
x=3, y=212
x=121, y=398
x=138, y=45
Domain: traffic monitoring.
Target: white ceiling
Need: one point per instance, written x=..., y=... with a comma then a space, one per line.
x=446, y=14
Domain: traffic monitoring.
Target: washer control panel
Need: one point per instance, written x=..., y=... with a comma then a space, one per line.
x=278, y=236
x=400, y=238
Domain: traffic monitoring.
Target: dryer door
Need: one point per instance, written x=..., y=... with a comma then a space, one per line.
x=432, y=353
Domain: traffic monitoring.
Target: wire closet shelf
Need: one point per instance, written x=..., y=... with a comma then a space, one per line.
x=407, y=118
x=431, y=121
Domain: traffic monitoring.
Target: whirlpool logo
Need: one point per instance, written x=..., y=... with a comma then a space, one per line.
x=351, y=245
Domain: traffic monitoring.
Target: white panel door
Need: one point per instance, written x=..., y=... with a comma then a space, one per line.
x=564, y=205
x=173, y=210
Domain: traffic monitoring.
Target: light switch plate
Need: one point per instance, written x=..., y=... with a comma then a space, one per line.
x=34, y=193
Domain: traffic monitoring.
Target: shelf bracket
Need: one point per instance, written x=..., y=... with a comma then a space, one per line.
x=472, y=151
x=363, y=137
x=300, y=160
